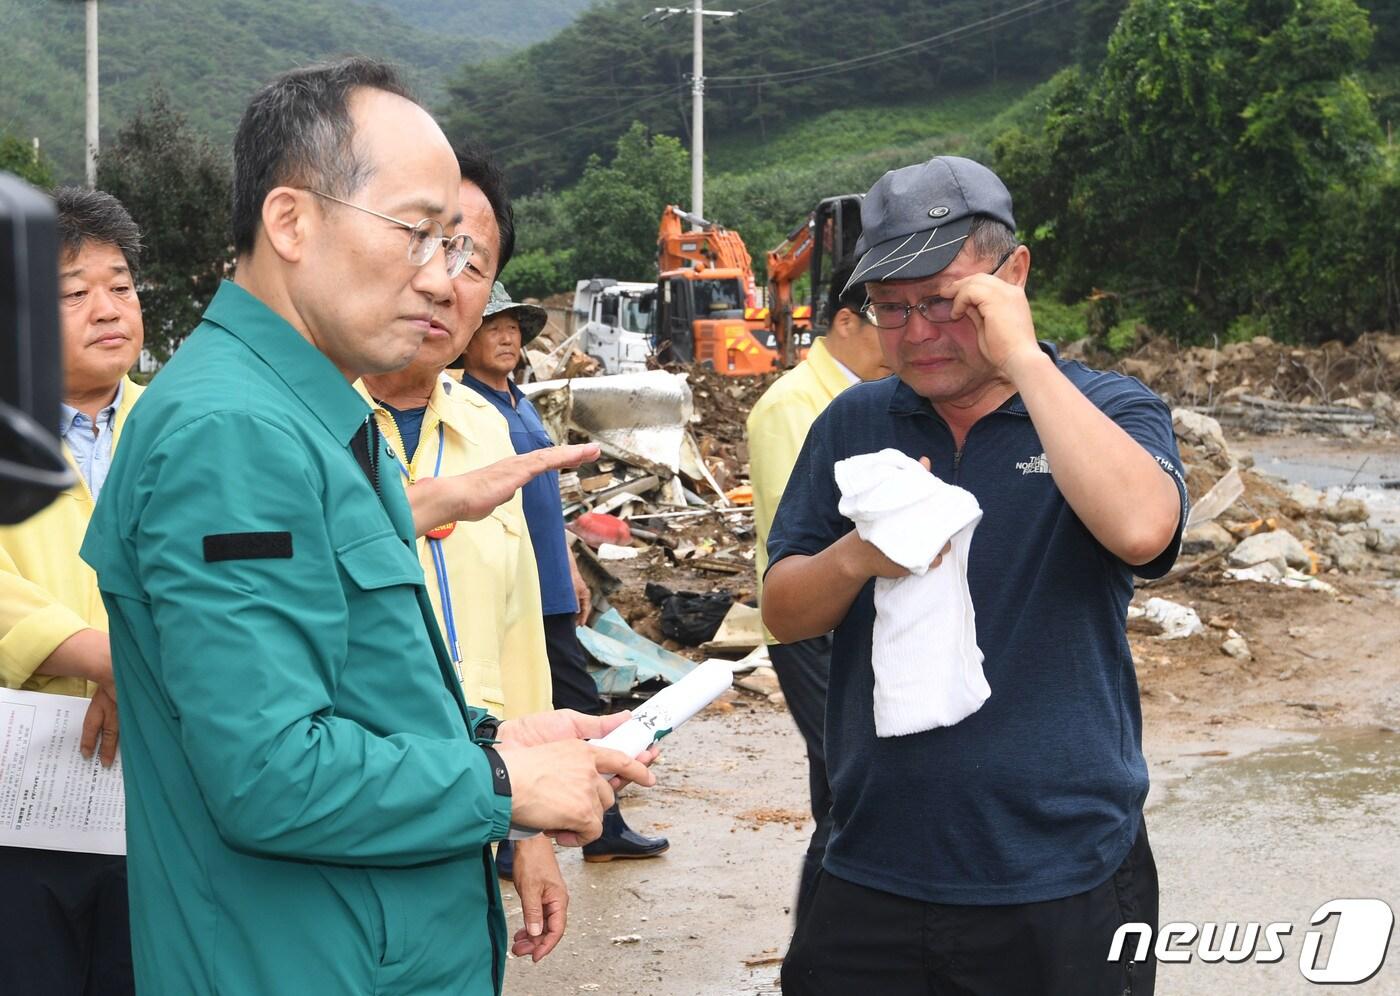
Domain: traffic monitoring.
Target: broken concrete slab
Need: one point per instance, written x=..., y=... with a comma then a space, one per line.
x=1273, y=546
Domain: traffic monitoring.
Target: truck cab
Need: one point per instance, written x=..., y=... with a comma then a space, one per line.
x=616, y=323
x=705, y=318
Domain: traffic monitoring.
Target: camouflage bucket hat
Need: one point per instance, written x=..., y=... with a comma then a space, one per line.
x=532, y=317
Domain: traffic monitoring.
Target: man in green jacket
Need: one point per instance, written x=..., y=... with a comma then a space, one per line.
x=309, y=797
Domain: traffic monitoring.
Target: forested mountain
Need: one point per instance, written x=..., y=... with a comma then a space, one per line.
x=511, y=22
x=210, y=56
x=1198, y=166
x=779, y=61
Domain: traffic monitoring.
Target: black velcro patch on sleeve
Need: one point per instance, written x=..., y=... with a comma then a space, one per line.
x=247, y=546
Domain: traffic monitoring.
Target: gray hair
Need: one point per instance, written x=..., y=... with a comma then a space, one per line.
x=297, y=131
x=991, y=239
x=95, y=216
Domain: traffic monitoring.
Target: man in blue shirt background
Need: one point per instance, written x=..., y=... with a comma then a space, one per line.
x=999, y=854
x=490, y=358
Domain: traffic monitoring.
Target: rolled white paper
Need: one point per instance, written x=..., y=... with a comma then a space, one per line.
x=669, y=708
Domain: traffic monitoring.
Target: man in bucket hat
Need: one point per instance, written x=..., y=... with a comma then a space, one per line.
x=490, y=358
x=1000, y=853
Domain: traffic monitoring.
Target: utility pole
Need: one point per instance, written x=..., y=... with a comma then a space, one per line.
x=697, y=95
x=697, y=112
x=92, y=93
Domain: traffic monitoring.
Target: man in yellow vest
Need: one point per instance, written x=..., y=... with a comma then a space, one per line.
x=482, y=576
x=63, y=922
x=848, y=353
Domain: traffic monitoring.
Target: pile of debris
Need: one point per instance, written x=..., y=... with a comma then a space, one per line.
x=1265, y=522
x=1245, y=528
x=1266, y=386
x=723, y=404
x=659, y=503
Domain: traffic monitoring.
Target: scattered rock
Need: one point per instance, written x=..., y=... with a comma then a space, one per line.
x=1273, y=547
x=1203, y=432
x=1209, y=537
x=1347, y=551
x=1176, y=621
x=1347, y=510
x=762, y=680
x=1236, y=647
x=1307, y=497
x=1388, y=541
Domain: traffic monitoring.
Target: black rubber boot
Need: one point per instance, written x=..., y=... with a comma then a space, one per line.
x=621, y=841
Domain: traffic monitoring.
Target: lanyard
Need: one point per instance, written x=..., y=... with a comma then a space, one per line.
x=440, y=566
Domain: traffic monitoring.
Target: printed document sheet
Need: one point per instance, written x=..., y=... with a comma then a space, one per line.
x=50, y=797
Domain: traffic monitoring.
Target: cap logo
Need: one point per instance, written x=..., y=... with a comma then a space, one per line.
x=938, y=212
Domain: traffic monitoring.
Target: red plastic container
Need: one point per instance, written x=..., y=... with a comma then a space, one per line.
x=597, y=528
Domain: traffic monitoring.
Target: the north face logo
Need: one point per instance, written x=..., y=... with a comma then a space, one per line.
x=1035, y=465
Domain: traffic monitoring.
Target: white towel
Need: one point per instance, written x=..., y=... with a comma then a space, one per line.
x=928, y=668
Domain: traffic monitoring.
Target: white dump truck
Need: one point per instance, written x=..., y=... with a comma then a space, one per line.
x=615, y=322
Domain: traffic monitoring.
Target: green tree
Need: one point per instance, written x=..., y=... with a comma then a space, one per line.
x=1198, y=174
x=177, y=189
x=614, y=210
x=22, y=159
x=539, y=273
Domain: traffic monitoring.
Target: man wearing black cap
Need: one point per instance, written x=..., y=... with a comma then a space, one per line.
x=998, y=854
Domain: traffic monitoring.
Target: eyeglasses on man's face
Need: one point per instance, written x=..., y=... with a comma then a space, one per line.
x=423, y=238
x=935, y=309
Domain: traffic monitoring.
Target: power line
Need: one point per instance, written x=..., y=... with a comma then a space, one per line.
x=812, y=72
x=871, y=58
x=530, y=98
x=594, y=120
x=758, y=6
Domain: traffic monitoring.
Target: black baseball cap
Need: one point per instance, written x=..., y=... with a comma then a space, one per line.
x=916, y=218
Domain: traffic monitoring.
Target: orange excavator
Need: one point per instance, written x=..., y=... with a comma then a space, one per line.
x=820, y=246
x=709, y=311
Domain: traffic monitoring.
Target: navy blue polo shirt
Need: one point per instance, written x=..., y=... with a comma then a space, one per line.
x=544, y=513
x=1038, y=795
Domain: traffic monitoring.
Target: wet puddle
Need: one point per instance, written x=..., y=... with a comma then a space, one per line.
x=1271, y=837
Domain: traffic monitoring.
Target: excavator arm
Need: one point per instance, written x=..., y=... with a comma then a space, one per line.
x=785, y=264
x=706, y=246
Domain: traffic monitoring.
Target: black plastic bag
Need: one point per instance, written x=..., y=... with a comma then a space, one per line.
x=689, y=617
